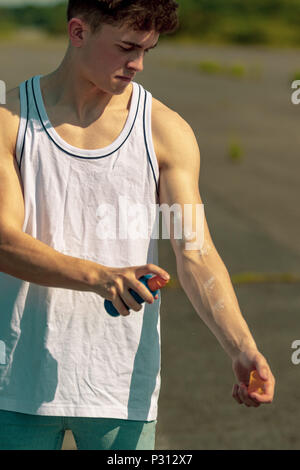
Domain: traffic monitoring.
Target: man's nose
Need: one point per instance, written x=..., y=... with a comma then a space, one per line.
x=136, y=63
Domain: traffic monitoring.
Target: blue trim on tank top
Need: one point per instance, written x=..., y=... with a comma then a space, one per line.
x=78, y=156
x=93, y=158
x=146, y=143
x=26, y=88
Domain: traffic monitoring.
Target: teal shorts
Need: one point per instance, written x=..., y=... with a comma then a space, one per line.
x=20, y=431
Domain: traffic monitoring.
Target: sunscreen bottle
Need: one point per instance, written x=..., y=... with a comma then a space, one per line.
x=153, y=283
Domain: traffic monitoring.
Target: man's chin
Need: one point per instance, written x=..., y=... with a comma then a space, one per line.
x=119, y=86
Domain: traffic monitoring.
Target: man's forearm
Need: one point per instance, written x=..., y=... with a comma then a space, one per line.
x=208, y=286
x=31, y=260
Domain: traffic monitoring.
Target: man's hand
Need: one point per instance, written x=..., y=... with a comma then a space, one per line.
x=114, y=283
x=242, y=366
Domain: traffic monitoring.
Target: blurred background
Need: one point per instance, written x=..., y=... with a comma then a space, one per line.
x=228, y=71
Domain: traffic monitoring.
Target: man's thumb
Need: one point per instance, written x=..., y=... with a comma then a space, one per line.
x=262, y=371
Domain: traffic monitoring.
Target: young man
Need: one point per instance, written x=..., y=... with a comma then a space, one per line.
x=78, y=148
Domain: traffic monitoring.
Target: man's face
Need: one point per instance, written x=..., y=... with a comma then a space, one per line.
x=113, y=54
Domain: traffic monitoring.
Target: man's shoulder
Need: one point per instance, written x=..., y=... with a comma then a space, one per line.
x=10, y=118
x=170, y=131
x=163, y=115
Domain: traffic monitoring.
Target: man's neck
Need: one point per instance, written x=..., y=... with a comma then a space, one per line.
x=67, y=89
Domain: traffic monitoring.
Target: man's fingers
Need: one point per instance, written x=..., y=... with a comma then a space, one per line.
x=153, y=269
x=235, y=394
x=267, y=396
x=121, y=307
x=261, y=398
x=142, y=291
x=245, y=398
x=267, y=384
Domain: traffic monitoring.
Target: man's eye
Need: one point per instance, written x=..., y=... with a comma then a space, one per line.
x=131, y=49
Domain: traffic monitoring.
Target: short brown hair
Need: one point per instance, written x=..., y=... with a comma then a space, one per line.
x=144, y=15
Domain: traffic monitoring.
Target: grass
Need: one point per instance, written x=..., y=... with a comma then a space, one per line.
x=211, y=67
x=294, y=76
x=247, y=30
x=7, y=29
x=235, y=151
x=251, y=278
x=258, y=278
x=234, y=70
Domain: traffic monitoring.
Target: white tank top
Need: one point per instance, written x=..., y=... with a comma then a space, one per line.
x=61, y=354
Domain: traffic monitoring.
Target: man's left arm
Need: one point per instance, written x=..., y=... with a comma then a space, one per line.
x=201, y=272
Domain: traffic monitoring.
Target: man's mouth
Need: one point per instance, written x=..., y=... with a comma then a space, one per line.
x=126, y=79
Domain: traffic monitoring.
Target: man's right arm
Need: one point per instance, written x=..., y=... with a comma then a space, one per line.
x=29, y=259
x=21, y=255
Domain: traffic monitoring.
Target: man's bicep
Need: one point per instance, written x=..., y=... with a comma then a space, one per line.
x=180, y=199
x=183, y=212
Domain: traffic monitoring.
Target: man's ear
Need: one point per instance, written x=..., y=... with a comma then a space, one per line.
x=78, y=31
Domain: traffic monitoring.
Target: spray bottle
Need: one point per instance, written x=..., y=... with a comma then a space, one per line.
x=153, y=283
